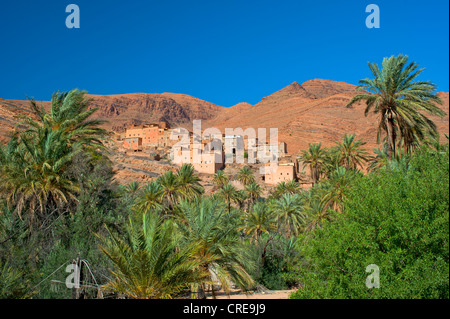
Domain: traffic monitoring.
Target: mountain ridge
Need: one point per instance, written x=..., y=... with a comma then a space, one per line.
x=313, y=111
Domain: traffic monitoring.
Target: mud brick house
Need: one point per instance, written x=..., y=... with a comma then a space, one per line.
x=203, y=157
x=284, y=172
x=133, y=143
x=152, y=134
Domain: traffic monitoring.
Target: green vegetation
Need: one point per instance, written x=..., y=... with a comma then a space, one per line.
x=402, y=226
x=59, y=203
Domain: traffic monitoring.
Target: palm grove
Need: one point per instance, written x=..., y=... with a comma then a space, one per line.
x=167, y=239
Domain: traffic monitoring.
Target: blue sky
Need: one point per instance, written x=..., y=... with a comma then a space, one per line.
x=224, y=52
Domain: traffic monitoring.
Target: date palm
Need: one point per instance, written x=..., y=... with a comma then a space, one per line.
x=315, y=157
x=288, y=210
x=220, y=178
x=351, y=155
x=316, y=211
x=253, y=191
x=189, y=182
x=33, y=175
x=229, y=193
x=204, y=223
x=148, y=261
x=291, y=187
x=399, y=100
x=70, y=115
x=335, y=188
x=170, y=186
x=151, y=198
x=258, y=221
x=245, y=176
x=33, y=165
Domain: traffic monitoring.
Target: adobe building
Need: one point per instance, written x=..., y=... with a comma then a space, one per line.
x=150, y=133
x=133, y=143
x=284, y=172
x=202, y=157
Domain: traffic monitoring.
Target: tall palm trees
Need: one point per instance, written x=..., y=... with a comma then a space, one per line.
x=35, y=162
x=350, y=153
x=150, y=263
x=150, y=199
x=399, y=100
x=182, y=184
x=245, y=176
x=289, y=213
x=259, y=220
x=204, y=224
x=189, y=181
x=229, y=193
x=254, y=191
x=314, y=157
x=220, y=178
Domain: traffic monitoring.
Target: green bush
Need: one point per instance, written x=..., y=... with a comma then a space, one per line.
x=396, y=218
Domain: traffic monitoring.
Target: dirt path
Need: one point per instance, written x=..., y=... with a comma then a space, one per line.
x=274, y=294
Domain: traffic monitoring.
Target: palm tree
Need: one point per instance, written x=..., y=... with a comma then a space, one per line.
x=220, y=254
x=33, y=174
x=288, y=210
x=291, y=187
x=220, y=178
x=399, y=100
x=316, y=211
x=229, y=193
x=151, y=198
x=336, y=187
x=69, y=114
x=350, y=153
x=240, y=198
x=189, y=181
x=170, y=185
x=149, y=263
x=245, y=176
x=314, y=157
x=254, y=192
x=132, y=188
x=259, y=220
x=379, y=160
x=33, y=165
x=279, y=189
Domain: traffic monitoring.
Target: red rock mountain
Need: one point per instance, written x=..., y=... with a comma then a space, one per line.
x=138, y=108
x=311, y=112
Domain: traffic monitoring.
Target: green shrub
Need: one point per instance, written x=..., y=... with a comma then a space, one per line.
x=396, y=218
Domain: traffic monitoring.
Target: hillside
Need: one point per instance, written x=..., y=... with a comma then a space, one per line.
x=303, y=113
x=311, y=112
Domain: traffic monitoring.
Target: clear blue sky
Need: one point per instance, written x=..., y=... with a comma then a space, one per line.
x=224, y=52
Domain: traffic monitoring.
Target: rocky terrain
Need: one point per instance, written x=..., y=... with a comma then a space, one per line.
x=303, y=113
x=309, y=113
x=137, y=108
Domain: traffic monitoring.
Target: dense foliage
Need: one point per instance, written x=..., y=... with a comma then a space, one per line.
x=396, y=218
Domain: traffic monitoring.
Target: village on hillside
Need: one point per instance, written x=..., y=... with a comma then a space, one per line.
x=150, y=146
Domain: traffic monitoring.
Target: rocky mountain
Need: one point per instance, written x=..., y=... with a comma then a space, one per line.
x=311, y=112
x=121, y=110
x=137, y=108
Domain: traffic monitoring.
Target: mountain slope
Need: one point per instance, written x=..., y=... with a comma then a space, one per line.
x=310, y=113
x=303, y=113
